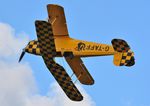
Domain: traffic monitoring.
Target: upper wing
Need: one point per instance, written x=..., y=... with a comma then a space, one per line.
x=80, y=70
x=48, y=51
x=57, y=19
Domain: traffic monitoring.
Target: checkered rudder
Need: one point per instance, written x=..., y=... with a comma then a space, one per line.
x=48, y=52
x=123, y=56
x=126, y=58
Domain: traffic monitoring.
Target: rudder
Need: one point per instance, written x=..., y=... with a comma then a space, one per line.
x=123, y=56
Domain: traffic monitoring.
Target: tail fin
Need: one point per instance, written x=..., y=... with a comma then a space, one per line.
x=123, y=56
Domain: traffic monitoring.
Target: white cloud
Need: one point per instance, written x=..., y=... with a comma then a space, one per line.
x=56, y=97
x=17, y=82
x=9, y=44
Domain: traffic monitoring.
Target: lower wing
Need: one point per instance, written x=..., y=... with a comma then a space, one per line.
x=48, y=51
x=80, y=70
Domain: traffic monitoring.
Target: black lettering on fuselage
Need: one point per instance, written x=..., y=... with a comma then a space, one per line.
x=82, y=47
x=107, y=48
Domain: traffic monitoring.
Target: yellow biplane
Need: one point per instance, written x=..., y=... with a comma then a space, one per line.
x=54, y=41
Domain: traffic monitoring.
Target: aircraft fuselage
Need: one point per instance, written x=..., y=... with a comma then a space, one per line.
x=82, y=48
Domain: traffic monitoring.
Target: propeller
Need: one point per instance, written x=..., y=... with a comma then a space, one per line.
x=21, y=56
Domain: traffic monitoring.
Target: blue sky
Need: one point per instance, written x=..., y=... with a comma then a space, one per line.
x=99, y=21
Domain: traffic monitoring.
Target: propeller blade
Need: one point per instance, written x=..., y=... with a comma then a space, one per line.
x=21, y=56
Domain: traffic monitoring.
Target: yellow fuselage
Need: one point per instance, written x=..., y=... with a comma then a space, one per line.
x=81, y=48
